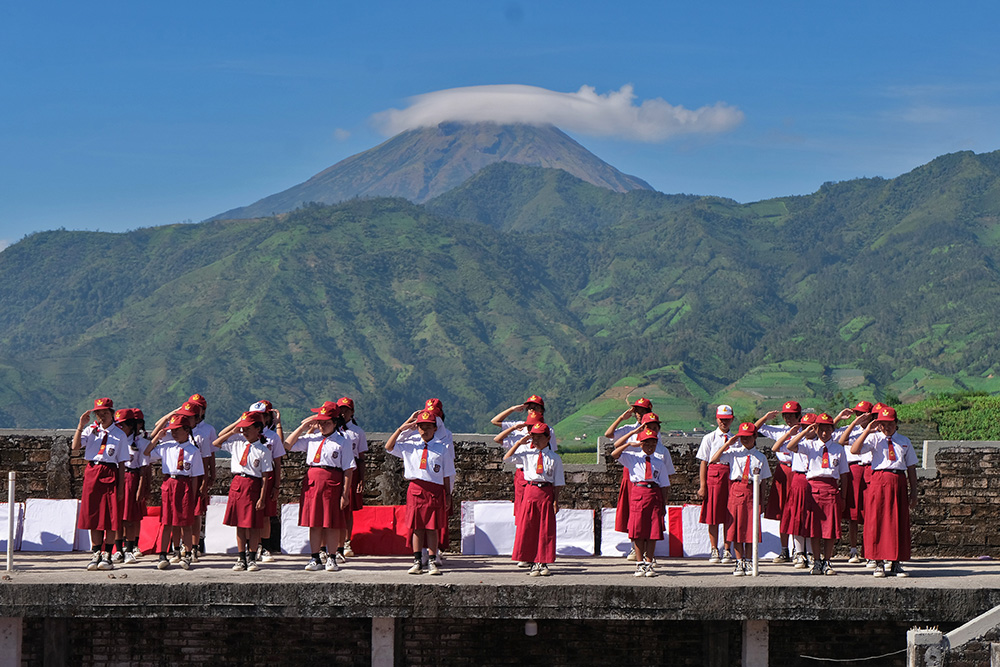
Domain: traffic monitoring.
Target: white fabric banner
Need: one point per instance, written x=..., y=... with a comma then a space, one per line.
x=18, y=525
x=219, y=538
x=294, y=538
x=488, y=529
x=575, y=532
x=50, y=525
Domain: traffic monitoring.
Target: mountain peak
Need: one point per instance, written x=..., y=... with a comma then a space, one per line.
x=423, y=163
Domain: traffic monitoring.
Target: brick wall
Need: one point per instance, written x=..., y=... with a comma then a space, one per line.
x=955, y=516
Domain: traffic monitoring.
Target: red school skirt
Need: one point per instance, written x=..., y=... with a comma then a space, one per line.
x=739, y=528
x=622, y=513
x=860, y=478
x=714, y=506
x=319, y=503
x=822, y=512
x=132, y=508
x=425, y=507
x=357, y=497
x=646, y=513
x=241, y=507
x=519, y=484
x=887, y=517
x=779, y=492
x=792, y=514
x=535, y=541
x=99, y=508
x=177, y=502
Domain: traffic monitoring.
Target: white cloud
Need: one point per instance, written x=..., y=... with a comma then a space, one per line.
x=4, y=244
x=614, y=114
x=340, y=134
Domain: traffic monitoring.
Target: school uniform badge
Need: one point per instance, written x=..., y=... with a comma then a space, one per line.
x=437, y=467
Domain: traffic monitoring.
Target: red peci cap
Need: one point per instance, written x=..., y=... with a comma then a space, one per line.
x=886, y=414
x=650, y=417
x=863, y=407
x=792, y=407
x=878, y=407
x=540, y=428
x=533, y=418
x=747, y=428
x=824, y=418
x=433, y=403
x=535, y=398
x=137, y=414
x=427, y=417
x=643, y=403
x=345, y=402
x=198, y=400
x=124, y=414
x=103, y=404
x=326, y=404
x=250, y=419
x=177, y=421
x=808, y=418
x=326, y=412
x=189, y=409
x=648, y=434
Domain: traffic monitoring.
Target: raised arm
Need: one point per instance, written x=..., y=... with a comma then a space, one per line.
x=499, y=419
x=718, y=455
x=610, y=433
x=768, y=416
x=784, y=437
x=860, y=440
x=502, y=435
x=84, y=418
x=622, y=443
x=793, y=444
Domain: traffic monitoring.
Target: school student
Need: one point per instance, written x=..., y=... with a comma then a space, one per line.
x=791, y=414
x=359, y=445
x=274, y=440
x=887, y=506
x=645, y=462
x=861, y=475
x=326, y=488
x=743, y=462
x=428, y=467
x=253, y=467
x=105, y=446
x=203, y=434
x=137, y=478
x=713, y=487
x=640, y=408
x=182, y=469
x=535, y=541
x=435, y=406
x=828, y=476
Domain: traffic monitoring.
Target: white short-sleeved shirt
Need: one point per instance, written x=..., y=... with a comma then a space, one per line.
x=359, y=439
x=738, y=458
x=101, y=445
x=410, y=447
x=878, y=445
x=713, y=442
x=836, y=458
x=179, y=458
x=248, y=458
x=634, y=461
x=622, y=430
x=517, y=434
x=137, y=448
x=274, y=443
x=204, y=434
x=774, y=432
x=333, y=451
x=552, y=466
x=864, y=458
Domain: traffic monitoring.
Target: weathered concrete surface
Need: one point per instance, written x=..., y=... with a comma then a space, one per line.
x=939, y=591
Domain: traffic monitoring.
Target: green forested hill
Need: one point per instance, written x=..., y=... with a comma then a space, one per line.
x=522, y=279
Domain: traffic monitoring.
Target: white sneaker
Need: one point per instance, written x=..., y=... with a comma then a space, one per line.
x=252, y=566
x=323, y=556
x=265, y=556
x=543, y=571
x=348, y=551
x=162, y=564
x=640, y=570
x=726, y=557
x=239, y=566
x=105, y=563
x=897, y=570
x=130, y=558
x=714, y=557
x=433, y=567
x=817, y=567
x=871, y=564
x=783, y=557
x=186, y=561
x=339, y=558
x=632, y=555
x=523, y=564
x=137, y=553
x=535, y=571
x=827, y=569
x=194, y=555
x=740, y=570
x=94, y=562
x=313, y=565
x=855, y=558
x=331, y=565
x=416, y=568
x=879, y=570
x=801, y=562
x=650, y=572
x=175, y=557
x=118, y=557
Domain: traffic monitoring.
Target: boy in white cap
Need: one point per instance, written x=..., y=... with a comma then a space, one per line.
x=713, y=487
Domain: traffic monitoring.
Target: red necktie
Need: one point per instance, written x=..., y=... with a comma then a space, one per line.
x=891, y=453
x=826, y=458
x=246, y=453
x=319, y=450
x=746, y=470
x=540, y=466
x=649, y=469
x=180, y=460
x=423, y=458
x=104, y=443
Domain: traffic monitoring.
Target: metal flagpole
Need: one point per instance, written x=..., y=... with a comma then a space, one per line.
x=10, y=520
x=756, y=523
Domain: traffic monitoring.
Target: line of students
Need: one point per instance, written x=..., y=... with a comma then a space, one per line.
x=817, y=481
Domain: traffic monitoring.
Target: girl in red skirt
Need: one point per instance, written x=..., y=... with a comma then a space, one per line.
x=743, y=462
x=428, y=467
x=435, y=406
x=791, y=413
x=639, y=409
x=792, y=514
x=253, y=470
x=828, y=476
x=535, y=541
x=649, y=477
x=274, y=440
x=713, y=479
x=861, y=475
x=359, y=445
x=887, y=508
x=182, y=472
x=104, y=447
x=326, y=488
x=137, y=476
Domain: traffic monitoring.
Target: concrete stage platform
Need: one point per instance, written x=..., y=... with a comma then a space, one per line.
x=937, y=591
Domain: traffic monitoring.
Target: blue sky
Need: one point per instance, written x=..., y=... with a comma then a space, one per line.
x=124, y=115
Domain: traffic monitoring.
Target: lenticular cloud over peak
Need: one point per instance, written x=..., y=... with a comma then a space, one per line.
x=614, y=114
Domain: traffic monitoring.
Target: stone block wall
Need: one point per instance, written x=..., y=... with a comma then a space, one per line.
x=955, y=516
